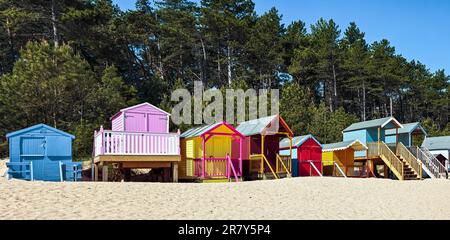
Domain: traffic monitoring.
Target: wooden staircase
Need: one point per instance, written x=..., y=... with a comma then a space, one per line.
x=403, y=164
x=412, y=169
x=408, y=171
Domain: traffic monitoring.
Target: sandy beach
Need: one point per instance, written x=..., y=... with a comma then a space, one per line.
x=294, y=198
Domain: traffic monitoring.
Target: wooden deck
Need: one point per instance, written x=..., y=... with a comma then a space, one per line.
x=137, y=158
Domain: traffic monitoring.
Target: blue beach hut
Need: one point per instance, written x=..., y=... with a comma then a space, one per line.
x=43, y=153
x=412, y=134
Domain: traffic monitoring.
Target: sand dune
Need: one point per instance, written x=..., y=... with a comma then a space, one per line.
x=295, y=198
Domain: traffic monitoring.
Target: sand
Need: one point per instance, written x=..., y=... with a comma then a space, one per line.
x=294, y=198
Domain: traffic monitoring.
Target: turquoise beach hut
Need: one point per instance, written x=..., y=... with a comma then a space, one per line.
x=43, y=153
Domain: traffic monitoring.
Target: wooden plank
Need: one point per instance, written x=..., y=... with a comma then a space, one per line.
x=146, y=164
x=137, y=158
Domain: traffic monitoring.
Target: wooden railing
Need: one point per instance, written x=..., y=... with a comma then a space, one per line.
x=216, y=167
x=283, y=164
x=231, y=169
x=263, y=161
x=130, y=143
x=381, y=150
x=412, y=161
x=20, y=169
x=372, y=150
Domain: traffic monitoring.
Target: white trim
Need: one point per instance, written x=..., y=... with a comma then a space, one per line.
x=142, y=104
x=345, y=147
x=423, y=130
x=392, y=119
x=168, y=119
x=123, y=121
x=60, y=172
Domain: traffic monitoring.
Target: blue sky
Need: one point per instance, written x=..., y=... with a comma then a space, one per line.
x=419, y=29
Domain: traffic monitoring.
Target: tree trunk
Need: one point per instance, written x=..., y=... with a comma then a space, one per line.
x=54, y=25
x=229, y=64
x=364, y=100
x=334, y=88
x=10, y=38
x=204, y=62
x=218, y=64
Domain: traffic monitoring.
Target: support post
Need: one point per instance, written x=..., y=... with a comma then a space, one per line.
x=290, y=153
x=240, y=155
x=262, y=154
x=203, y=156
x=105, y=173
x=103, y=143
x=175, y=172
x=396, y=137
x=31, y=171
x=95, y=166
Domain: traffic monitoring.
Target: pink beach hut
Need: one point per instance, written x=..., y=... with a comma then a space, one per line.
x=139, y=138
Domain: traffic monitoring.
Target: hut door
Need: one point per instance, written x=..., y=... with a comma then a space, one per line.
x=136, y=122
x=157, y=123
x=32, y=149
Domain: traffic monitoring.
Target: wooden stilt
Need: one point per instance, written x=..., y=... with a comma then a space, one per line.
x=175, y=172
x=105, y=173
x=95, y=166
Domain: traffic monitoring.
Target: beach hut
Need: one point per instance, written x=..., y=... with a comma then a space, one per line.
x=339, y=159
x=438, y=145
x=261, y=147
x=306, y=155
x=206, y=153
x=389, y=148
x=143, y=117
x=412, y=134
x=372, y=131
x=139, y=139
x=42, y=152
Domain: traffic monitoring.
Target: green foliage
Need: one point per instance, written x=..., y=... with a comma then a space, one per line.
x=299, y=111
x=108, y=59
x=57, y=87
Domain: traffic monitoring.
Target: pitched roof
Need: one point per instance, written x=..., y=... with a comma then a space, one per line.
x=436, y=143
x=41, y=125
x=139, y=105
x=255, y=126
x=407, y=128
x=297, y=141
x=199, y=131
x=381, y=122
x=331, y=147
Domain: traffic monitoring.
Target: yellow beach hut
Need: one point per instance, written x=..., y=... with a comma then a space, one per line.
x=206, y=153
x=339, y=159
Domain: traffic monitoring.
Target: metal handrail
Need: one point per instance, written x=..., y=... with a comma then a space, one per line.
x=431, y=162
